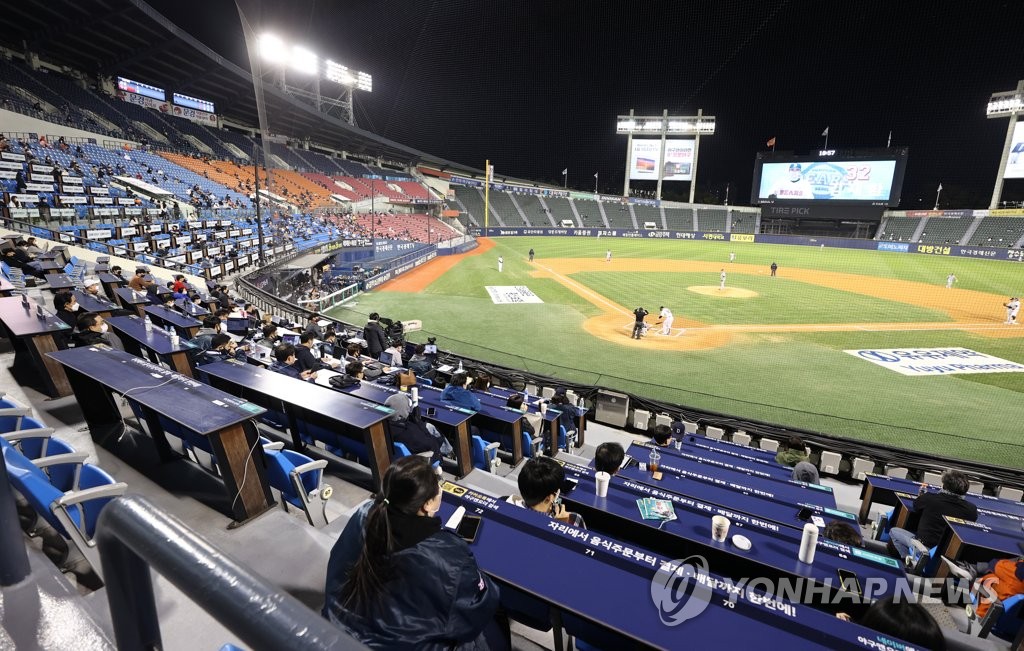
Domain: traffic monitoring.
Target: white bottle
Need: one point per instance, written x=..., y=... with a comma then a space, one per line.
x=147, y=323
x=174, y=338
x=808, y=543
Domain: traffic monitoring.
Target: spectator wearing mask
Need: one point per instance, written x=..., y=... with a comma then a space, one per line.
x=373, y=333
x=138, y=282
x=221, y=349
x=792, y=452
x=457, y=392
x=307, y=361
x=204, y=336
x=67, y=311
x=540, y=489
x=397, y=579
x=932, y=506
x=92, y=331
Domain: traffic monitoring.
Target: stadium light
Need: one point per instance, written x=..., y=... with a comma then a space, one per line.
x=1007, y=104
x=303, y=60
x=664, y=125
x=272, y=49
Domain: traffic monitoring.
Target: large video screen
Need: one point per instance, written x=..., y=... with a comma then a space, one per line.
x=645, y=159
x=139, y=88
x=1015, y=163
x=865, y=178
x=193, y=103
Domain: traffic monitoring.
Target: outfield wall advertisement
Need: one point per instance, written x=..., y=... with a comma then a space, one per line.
x=990, y=253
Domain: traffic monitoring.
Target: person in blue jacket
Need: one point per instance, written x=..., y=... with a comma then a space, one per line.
x=458, y=393
x=397, y=580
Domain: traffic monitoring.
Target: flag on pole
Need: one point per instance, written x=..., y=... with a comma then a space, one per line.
x=595, y=175
x=940, y=187
x=771, y=141
x=565, y=171
x=825, y=132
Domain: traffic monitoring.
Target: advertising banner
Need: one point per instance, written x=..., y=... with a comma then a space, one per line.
x=936, y=361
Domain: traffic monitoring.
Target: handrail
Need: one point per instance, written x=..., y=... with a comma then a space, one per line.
x=135, y=536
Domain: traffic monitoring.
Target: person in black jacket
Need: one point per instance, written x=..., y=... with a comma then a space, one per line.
x=397, y=580
x=373, y=333
x=67, y=311
x=932, y=506
x=638, y=327
x=92, y=331
x=411, y=431
x=306, y=360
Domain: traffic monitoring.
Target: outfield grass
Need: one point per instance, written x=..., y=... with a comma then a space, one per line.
x=796, y=379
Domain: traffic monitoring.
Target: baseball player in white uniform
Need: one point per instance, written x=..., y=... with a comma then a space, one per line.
x=501, y=263
x=666, y=320
x=1012, y=308
x=732, y=256
x=950, y=279
x=608, y=256
x=722, y=285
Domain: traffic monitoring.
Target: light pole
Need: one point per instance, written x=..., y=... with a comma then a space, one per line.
x=674, y=158
x=1000, y=105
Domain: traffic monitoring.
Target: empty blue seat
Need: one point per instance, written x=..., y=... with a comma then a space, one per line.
x=300, y=481
x=484, y=455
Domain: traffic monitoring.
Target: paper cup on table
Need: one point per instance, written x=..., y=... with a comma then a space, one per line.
x=719, y=528
x=543, y=408
x=602, y=479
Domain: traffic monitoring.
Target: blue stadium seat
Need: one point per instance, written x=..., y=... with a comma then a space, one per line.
x=300, y=481
x=483, y=454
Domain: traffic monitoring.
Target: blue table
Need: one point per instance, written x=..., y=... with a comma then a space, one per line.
x=599, y=589
x=975, y=542
x=31, y=328
x=882, y=489
x=191, y=309
x=155, y=341
x=130, y=300
x=96, y=304
x=755, y=467
x=97, y=373
x=58, y=282
x=452, y=421
x=903, y=516
x=308, y=406
x=162, y=315
x=110, y=283
x=730, y=448
x=784, y=490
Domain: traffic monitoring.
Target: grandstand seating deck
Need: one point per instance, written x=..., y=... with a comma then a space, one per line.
x=743, y=222
x=899, y=229
x=536, y=216
x=561, y=210
x=617, y=213
x=679, y=219
x=501, y=203
x=474, y=203
x=711, y=220
x=291, y=157
x=940, y=230
x=645, y=213
x=998, y=231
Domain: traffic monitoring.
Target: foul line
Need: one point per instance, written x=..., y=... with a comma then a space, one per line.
x=584, y=291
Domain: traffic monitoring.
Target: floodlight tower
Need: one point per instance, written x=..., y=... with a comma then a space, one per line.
x=1000, y=105
x=665, y=125
x=306, y=63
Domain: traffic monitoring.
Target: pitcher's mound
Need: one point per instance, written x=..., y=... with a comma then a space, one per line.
x=728, y=292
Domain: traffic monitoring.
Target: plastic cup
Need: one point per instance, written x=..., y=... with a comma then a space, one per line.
x=543, y=408
x=602, y=479
x=719, y=528
x=653, y=461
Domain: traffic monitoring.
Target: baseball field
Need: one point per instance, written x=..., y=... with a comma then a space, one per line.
x=768, y=348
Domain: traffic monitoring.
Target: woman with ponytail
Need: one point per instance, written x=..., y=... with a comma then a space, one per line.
x=397, y=580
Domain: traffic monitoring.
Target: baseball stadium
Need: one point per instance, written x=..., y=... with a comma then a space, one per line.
x=508, y=326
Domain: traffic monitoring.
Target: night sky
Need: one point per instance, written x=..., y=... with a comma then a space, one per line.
x=536, y=86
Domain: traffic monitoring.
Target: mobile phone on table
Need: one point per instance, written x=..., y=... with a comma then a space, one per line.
x=848, y=581
x=804, y=514
x=431, y=412
x=468, y=527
